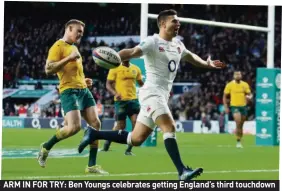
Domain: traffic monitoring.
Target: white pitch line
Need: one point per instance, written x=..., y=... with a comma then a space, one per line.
x=141, y=174
x=34, y=157
x=117, y=149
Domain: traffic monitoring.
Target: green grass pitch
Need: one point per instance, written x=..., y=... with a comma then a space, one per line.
x=216, y=153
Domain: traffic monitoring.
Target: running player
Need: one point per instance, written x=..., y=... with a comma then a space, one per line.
x=162, y=54
x=240, y=92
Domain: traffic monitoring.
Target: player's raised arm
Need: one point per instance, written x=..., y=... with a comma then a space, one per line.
x=127, y=54
x=52, y=66
x=143, y=48
x=197, y=61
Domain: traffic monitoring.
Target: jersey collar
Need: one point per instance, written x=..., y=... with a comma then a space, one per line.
x=66, y=41
x=128, y=66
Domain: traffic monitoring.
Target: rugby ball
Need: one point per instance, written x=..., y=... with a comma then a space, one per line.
x=106, y=57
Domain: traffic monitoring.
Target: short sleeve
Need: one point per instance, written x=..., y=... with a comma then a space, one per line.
x=147, y=45
x=183, y=50
x=54, y=53
x=112, y=74
x=227, y=89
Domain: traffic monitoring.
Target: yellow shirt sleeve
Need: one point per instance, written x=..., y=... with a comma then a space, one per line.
x=139, y=74
x=227, y=89
x=54, y=53
x=112, y=75
x=247, y=90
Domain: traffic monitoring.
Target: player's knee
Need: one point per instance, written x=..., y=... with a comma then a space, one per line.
x=169, y=135
x=120, y=125
x=73, y=129
x=96, y=124
x=242, y=122
x=170, y=128
x=76, y=128
x=238, y=122
x=137, y=141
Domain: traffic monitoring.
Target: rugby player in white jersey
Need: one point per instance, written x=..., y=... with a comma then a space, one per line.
x=162, y=53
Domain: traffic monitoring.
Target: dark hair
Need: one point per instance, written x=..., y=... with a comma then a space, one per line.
x=163, y=14
x=74, y=21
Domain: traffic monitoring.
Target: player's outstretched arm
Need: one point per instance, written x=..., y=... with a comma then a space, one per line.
x=52, y=67
x=197, y=61
x=127, y=54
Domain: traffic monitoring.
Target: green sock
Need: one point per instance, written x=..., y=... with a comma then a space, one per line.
x=48, y=145
x=92, y=157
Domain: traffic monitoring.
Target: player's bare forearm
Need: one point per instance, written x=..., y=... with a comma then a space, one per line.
x=127, y=54
x=196, y=60
x=54, y=67
x=110, y=87
x=249, y=95
x=140, y=83
x=225, y=100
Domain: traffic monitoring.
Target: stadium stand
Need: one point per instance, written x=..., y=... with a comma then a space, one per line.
x=26, y=43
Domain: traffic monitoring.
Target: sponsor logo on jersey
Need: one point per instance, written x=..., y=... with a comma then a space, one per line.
x=161, y=49
x=179, y=50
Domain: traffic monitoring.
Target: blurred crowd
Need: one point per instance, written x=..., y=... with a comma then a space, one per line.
x=27, y=40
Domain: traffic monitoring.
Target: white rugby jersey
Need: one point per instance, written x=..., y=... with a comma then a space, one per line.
x=161, y=59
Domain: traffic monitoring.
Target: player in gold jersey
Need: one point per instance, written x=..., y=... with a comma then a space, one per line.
x=121, y=82
x=239, y=92
x=65, y=60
